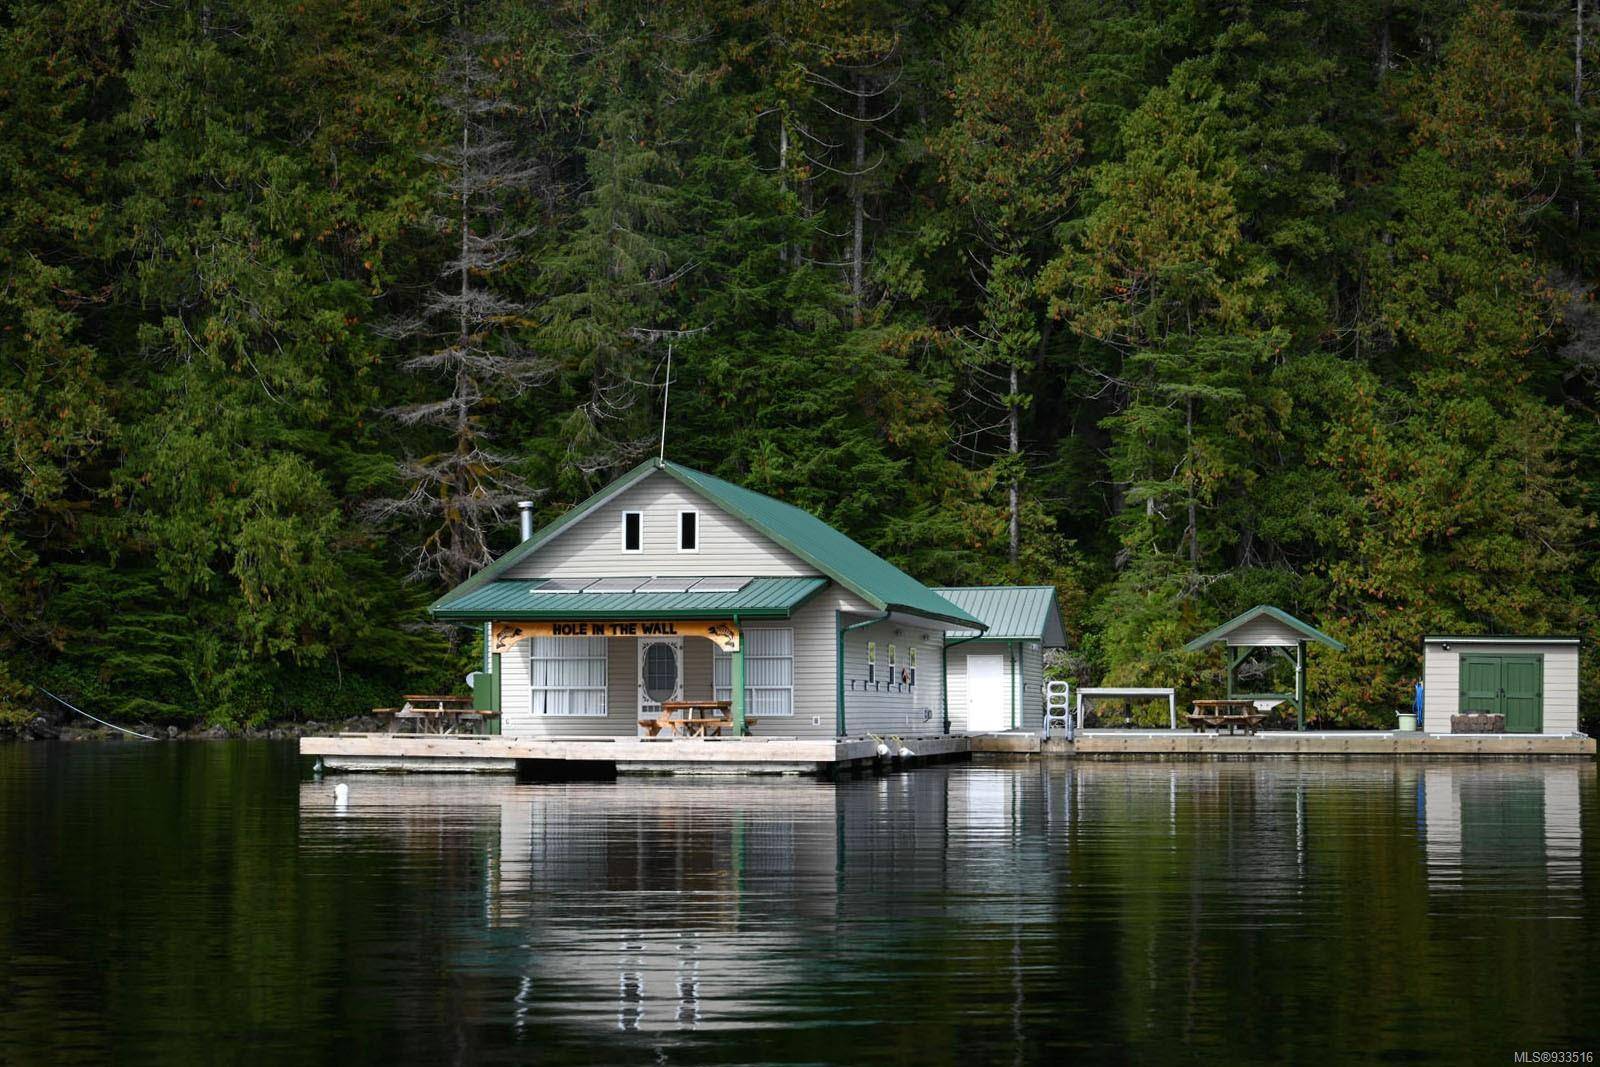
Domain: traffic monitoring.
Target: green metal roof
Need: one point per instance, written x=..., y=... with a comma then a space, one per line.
x=1305, y=629
x=522, y=600
x=1012, y=612
x=878, y=582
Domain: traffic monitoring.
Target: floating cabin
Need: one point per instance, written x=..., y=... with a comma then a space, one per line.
x=670, y=584
x=1532, y=681
x=608, y=631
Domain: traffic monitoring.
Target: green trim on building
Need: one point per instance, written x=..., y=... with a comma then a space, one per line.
x=1511, y=684
x=878, y=582
x=1221, y=633
x=521, y=600
x=1009, y=613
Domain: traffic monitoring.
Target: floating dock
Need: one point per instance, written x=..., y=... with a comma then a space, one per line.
x=750, y=755
x=458, y=754
x=1143, y=744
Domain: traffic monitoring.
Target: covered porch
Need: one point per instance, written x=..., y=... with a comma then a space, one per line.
x=638, y=657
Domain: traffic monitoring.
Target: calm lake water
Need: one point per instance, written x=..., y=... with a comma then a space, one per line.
x=189, y=902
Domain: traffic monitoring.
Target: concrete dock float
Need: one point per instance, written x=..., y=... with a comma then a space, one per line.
x=624, y=755
x=421, y=752
x=1143, y=744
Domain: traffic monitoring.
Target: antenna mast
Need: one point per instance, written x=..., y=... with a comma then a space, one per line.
x=666, y=394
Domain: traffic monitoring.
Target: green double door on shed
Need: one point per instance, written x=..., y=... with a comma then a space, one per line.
x=1510, y=685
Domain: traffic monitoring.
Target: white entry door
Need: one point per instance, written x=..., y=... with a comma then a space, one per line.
x=660, y=674
x=988, y=695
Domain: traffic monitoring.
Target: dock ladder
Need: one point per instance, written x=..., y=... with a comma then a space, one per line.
x=1057, y=708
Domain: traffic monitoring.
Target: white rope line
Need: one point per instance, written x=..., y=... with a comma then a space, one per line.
x=86, y=715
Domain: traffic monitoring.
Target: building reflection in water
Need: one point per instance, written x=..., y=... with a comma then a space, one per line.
x=668, y=899
x=702, y=904
x=1499, y=820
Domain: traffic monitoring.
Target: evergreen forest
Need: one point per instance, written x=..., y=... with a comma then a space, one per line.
x=1182, y=306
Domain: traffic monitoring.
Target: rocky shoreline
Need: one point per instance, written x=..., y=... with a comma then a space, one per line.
x=74, y=728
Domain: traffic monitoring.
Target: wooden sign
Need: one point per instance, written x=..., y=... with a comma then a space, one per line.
x=722, y=634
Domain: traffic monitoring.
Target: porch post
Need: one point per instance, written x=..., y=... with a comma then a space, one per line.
x=736, y=681
x=1300, y=685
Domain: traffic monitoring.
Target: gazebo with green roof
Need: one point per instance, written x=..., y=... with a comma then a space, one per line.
x=1267, y=629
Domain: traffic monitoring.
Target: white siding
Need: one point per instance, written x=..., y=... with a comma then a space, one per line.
x=814, y=682
x=814, y=692
x=622, y=695
x=1441, y=681
x=955, y=687
x=592, y=547
x=892, y=707
x=696, y=668
x=1265, y=630
x=1030, y=707
x=622, y=683
x=1029, y=695
x=516, y=698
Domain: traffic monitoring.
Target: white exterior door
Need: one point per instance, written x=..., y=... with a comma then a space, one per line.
x=660, y=674
x=988, y=695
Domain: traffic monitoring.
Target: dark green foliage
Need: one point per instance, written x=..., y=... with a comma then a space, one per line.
x=1285, y=303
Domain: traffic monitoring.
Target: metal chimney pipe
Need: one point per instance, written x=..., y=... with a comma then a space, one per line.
x=526, y=508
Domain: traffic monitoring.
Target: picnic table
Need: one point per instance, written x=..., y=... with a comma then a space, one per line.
x=692, y=718
x=1230, y=713
x=434, y=713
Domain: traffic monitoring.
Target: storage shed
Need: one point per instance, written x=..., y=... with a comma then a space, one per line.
x=995, y=680
x=1532, y=681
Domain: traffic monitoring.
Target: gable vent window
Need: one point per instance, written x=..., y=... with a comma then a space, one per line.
x=632, y=531
x=688, y=531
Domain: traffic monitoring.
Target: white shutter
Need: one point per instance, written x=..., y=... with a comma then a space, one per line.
x=768, y=672
x=568, y=675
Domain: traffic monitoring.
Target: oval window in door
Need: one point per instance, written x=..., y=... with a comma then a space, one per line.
x=660, y=672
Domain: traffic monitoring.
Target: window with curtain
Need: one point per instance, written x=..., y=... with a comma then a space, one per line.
x=568, y=674
x=768, y=672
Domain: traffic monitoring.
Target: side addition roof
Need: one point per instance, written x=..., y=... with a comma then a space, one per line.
x=875, y=580
x=1227, y=633
x=1012, y=612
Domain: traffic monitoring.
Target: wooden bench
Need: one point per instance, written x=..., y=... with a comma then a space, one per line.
x=1250, y=723
x=681, y=717
x=1215, y=714
x=690, y=726
x=444, y=713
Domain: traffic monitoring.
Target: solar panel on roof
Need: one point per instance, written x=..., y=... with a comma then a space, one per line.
x=616, y=585
x=667, y=585
x=720, y=585
x=563, y=585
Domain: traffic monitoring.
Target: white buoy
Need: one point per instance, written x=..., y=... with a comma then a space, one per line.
x=905, y=752
x=341, y=794
x=883, y=749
